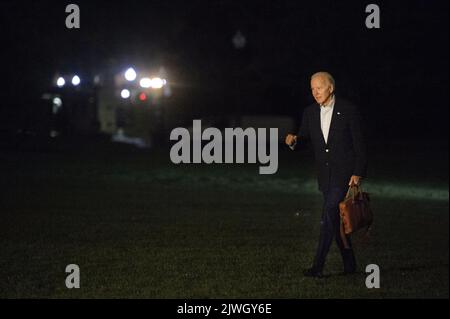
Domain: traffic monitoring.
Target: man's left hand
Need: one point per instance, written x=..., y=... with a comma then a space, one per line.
x=355, y=180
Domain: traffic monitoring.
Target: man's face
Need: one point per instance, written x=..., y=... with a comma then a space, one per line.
x=321, y=89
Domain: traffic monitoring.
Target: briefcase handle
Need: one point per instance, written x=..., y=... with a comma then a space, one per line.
x=353, y=191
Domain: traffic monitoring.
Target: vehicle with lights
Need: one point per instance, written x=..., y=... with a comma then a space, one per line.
x=128, y=104
x=71, y=103
x=132, y=107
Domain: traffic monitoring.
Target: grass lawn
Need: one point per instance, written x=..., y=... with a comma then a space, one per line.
x=141, y=227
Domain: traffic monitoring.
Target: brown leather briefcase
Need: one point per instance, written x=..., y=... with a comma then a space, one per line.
x=355, y=213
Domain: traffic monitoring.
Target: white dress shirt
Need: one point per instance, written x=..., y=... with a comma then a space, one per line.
x=326, y=113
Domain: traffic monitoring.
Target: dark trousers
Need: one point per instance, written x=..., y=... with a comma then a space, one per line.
x=329, y=230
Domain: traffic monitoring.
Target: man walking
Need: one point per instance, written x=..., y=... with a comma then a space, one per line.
x=333, y=125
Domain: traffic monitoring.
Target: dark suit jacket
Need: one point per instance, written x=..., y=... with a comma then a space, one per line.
x=345, y=153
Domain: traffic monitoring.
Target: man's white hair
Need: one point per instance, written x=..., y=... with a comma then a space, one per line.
x=325, y=75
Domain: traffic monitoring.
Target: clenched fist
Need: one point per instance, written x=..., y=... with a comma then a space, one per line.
x=291, y=139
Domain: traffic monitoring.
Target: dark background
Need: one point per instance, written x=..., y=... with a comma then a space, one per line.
x=397, y=74
x=141, y=226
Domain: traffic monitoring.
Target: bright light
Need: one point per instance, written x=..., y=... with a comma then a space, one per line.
x=60, y=82
x=157, y=83
x=76, y=80
x=154, y=83
x=130, y=74
x=142, y=96
x=125, y=94
x=145, y=82
x=57, y=102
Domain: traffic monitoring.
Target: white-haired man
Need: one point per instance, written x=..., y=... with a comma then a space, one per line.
x=333, y=125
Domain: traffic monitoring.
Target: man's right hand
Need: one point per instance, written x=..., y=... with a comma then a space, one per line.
x=291, y=139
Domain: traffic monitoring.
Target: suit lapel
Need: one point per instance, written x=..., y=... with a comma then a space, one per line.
x=334, y=120
x=318, y=127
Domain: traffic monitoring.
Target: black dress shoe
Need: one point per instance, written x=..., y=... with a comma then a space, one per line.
x=311, y=272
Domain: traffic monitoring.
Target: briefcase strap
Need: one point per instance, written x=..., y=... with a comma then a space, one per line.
x=352, y=191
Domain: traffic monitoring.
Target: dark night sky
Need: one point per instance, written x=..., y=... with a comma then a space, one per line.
x=398, y=74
